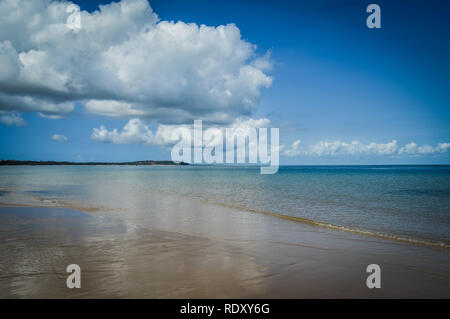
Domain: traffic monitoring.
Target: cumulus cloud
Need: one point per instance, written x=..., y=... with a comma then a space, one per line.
x=11, y=119
x=413, y=149
x=291, y=151
x=59, y=138
x=137, y=132
x=356, y=148
x=125, y=62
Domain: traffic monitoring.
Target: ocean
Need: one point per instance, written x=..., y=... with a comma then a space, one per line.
x=405, y=203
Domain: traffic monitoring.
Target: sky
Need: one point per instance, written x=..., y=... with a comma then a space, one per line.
x=115, y=89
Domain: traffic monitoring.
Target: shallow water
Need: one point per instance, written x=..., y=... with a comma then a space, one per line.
x=249, y=256
x=400, y=201
x=116, y=260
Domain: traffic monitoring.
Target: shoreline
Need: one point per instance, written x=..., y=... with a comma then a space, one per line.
x=286, y=264
x=11, y=163
x=367, y=229
x=304, y=221
x=368, y=233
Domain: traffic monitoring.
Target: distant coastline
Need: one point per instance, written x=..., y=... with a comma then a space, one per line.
x=35, y=163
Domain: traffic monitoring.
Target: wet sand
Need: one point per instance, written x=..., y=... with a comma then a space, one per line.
x=283, y=260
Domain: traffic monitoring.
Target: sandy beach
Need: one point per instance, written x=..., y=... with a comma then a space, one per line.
x=121, y=260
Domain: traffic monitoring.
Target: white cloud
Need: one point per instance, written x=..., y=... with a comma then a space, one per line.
x=59, y=138
x=356, y=148
x=29, y=104
x=293, y=150
x=244, y=123
x=11, y=119
x=50, y=116
x=137, y=132
x=125, y=62
x=414, y=149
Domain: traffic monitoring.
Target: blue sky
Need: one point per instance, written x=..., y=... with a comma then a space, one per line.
x=333, y=81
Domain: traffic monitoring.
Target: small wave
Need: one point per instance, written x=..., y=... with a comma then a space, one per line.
x=315, y=223
x=92, y=209
x=421, y=192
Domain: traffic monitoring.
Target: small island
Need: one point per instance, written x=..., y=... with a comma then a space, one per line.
x=35, y=163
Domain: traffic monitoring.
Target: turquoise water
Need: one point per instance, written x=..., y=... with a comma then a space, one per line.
x=407, y=201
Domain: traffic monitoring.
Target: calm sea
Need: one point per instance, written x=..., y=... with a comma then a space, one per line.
x=404, y=201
